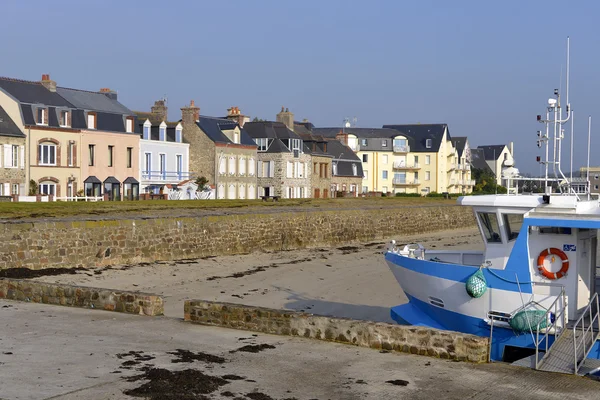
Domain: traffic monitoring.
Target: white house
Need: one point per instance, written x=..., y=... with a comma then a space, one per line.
x=164, y=158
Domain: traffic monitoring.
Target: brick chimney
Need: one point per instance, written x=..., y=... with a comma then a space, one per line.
x=342, y=138
x=159, y=111
x=190, y=114
x=48, y=83
x=286, y=117
x=111, y=94
x=234, y=114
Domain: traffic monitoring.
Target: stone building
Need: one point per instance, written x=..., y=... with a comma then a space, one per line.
x=284, y=167
x=12, y=157
x=347, y=173
x=317, y=147
x=222, y=152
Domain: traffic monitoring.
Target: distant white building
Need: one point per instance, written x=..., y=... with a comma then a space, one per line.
x=164, y=158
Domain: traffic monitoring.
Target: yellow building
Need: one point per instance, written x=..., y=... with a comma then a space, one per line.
x=408, y=158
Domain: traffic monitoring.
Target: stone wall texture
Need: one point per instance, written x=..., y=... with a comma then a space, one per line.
x=47, y=243
x=401, y=338
x=83, y=297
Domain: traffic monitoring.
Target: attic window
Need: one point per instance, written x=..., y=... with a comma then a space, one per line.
x=129, y=125
x=91, y=120
x=354, y=170
x=178, y=134
x=428, y=143
x=41, y=116
x=65, y=118
x=146, y=131
x=162, y=132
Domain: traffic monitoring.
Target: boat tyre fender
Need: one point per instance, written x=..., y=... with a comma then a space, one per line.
x=557, y=252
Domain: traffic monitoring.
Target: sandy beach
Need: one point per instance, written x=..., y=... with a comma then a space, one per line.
x=350, y=281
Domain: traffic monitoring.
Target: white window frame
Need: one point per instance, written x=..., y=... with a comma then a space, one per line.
x=262, y=144
x=44, y=188
x=427, y=160
x=251, y=167
x=70, y=153
x=428, y=143
x=129, y=125
x=231, y=165
x=146, y=130
x=93, y=121
x=51, y=149
x=40, y=121
x=178, y=133
x=179, y=166
x=334, y=168
x=162, y=165
x=354, y=170
x=15, y=156
x=14, y=189
x=148, y=164
x=64, y=118
x=427, y=175
x=242, y=166
x=162, y=132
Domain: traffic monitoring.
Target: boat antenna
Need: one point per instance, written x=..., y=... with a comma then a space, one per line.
x=588, y=155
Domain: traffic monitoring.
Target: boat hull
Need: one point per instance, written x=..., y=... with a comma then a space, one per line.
x=438, y=299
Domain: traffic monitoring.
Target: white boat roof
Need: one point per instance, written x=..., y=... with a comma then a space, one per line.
x=501, y=200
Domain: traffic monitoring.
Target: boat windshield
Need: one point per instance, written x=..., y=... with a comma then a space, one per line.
x=491, y=230
x=512, y=224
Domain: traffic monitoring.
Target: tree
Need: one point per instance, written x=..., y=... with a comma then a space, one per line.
x=33, y=187
x=485, y=182
x=201, y=181
x=256, y=119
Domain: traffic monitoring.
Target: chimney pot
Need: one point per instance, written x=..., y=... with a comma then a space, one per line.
x=192, y=103
x=105, y=90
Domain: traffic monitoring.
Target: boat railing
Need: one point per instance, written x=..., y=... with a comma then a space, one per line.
x=586, y=331
x=558, y=306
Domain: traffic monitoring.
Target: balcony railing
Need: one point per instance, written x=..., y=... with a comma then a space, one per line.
x=165, y=176
x=405, y=182
x=401, y=165
x=402, y=149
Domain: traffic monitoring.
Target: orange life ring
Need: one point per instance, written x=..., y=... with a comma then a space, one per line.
x=563, y=257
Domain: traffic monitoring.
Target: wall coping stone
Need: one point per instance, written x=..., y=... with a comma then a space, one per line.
x=377, y=335
x=81, y=297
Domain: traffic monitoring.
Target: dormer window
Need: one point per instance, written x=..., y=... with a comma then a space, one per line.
x=129, y=125
x=334, y=167
x=65, y=118
x=354, y=170
x=262, y=144
x=296, y=144
x=236, y=137
x=178, y=133
x=162, y=132
x=428, y=143
x=41, y=116
x=146, y=130
x=91, y=120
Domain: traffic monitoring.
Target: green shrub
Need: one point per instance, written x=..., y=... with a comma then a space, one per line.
x=408, y=195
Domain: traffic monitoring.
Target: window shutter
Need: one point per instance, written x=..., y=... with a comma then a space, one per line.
x=7, y=156
x=46, y=116
x=289, y=170
x=68, y=118
x=271, y=169
x=22, y=156
x=7, y=189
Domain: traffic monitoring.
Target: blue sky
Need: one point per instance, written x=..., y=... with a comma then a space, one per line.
x=485, y=68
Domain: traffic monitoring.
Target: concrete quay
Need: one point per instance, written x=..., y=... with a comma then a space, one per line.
x=52, y=352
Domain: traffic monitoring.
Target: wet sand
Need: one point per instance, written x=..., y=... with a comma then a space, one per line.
x=350, y=281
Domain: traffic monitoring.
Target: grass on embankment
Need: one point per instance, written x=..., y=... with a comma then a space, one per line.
x=153, y=207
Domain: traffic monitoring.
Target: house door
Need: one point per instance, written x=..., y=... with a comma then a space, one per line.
x=317, y=193
x=267, y=191
x=586, y=274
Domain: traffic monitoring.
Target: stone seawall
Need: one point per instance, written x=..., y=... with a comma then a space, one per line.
x=46, y=243
x=82, y=297
x=407, y=339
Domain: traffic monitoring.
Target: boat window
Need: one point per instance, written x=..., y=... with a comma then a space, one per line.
x=554, y=230
x=489, y=223
x=512, y=224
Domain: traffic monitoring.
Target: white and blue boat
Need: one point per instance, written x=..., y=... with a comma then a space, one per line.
x=533, y=289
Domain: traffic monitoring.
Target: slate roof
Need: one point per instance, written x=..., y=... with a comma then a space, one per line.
x=459, y=143
x=110, y=113
x=270, y=130
x=277, y=146
x=33, y=93
x=8, y=126
x=478, y=160
x=93, y=101
x=419, y=133
x=492, y=152
x=344, y=157
x=214, y=127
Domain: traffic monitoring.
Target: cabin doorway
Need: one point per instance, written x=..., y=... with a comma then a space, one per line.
x=586, y=271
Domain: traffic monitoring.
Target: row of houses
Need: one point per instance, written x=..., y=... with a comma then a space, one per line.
x=69, y=142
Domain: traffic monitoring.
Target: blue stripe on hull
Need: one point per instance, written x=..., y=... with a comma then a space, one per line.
x=421, y=314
